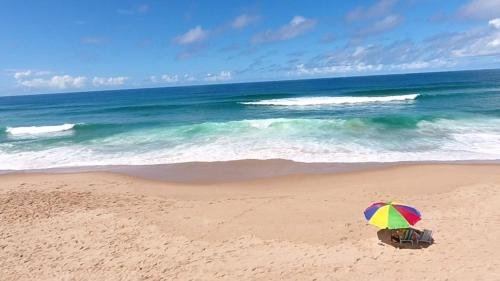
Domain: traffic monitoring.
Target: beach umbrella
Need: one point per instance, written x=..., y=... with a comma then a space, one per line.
x=391, y=215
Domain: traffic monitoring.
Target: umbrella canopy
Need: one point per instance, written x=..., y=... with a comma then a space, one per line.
x=391, y=215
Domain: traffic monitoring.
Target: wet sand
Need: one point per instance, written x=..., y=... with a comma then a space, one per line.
x=240, y=170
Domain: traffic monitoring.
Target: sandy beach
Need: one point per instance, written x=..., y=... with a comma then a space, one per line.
x=250, y=140
x=108, y=226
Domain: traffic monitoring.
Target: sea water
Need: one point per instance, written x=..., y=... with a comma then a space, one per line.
x=411, y=117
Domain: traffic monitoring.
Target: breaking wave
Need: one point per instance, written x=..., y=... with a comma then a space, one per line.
x=389, y=139
x=306, y=101
x=37, y=130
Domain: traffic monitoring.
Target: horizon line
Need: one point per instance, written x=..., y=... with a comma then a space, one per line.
x=247, y=82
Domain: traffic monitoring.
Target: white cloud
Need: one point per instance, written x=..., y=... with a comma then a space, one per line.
x=193, y=35
x=480, y=9
x=358, y=51
x=495, y=23
x=20, y=75
x=302, y=70
x=42, y=80
x=221, y=76
x=59, y=82
x=486, y=45
x=23, y=74
x=188, y=77
x=387, y=23
x=39, y=80
x=243, y=20
x=298, y=25
x=170, y=78
x=379, y=9
x=362, y=67
x=399, y=56
x=109, y=81
x=374, y=19
x=475, y=42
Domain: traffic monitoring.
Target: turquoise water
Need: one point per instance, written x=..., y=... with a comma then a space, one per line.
x=412, y=117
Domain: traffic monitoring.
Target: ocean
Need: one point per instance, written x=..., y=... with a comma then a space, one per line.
x=411, y=117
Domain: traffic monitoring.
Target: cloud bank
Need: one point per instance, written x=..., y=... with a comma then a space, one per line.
x=109, y=81
x=42, y=80
x=218, y=77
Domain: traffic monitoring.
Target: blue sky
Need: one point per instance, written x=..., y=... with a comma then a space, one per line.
x=62, y=46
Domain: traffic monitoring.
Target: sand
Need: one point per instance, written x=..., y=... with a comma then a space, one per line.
x=108, y=226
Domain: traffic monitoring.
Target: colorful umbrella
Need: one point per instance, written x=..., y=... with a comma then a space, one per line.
x=391, y=215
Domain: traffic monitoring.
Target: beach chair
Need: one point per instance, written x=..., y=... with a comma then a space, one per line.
x=426, y=237
x=407, y=237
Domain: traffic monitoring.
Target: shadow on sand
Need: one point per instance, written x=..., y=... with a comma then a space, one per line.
x=384, y=235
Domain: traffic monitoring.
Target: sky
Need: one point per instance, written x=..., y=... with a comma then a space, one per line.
x=72, y=46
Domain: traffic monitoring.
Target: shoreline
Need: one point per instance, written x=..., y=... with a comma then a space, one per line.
x=238, y=170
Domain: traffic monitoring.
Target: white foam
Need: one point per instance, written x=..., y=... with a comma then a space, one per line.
x=304, y=140
x=36, y=130
x=307, y=101
x=264, y=123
